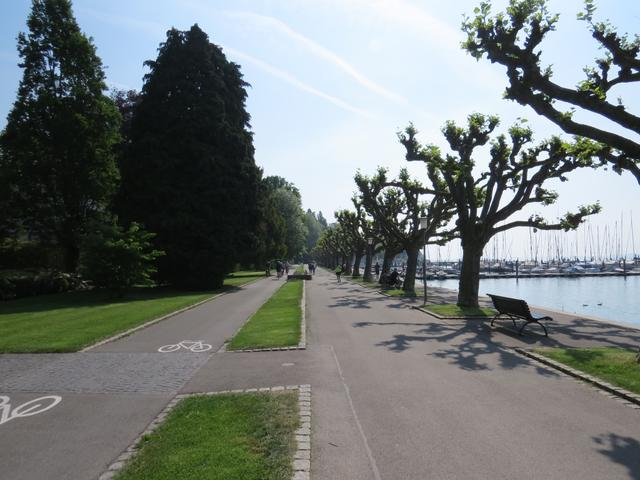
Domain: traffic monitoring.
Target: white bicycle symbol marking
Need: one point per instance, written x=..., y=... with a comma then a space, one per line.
x=191, y=345
x=27, y=409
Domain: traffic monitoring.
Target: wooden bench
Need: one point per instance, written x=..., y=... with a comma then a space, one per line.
x=516, y=308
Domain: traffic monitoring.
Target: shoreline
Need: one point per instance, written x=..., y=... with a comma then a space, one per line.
x=617, y=323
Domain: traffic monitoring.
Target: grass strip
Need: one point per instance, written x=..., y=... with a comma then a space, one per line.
x=276, y=323
x=614, y=365
x=67, y=322
x=221, y=437
x=453, y=310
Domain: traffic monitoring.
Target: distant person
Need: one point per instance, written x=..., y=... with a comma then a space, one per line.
x=338, y=271
x=286, y=267
x=267, y=269
x=310, y=266
x=279, y=268
x=377, y=269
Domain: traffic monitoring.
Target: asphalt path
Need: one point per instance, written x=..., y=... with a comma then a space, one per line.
x=68, y=416
x=213, y=323
x=438, y=399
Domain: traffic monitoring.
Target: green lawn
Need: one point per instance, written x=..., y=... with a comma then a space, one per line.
x=221, y=437
x=67, y=322
x=614, y=365
x=453, y=310
x=276, y=323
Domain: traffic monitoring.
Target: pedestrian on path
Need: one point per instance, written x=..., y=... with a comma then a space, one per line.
x=377, y=268
x=338, y=271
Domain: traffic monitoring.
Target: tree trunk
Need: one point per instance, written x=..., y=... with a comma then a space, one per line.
x=389, y=255
x=347, y=264
x=356, y=264
x=469, y=276
x=409, y=284
x=367, y=264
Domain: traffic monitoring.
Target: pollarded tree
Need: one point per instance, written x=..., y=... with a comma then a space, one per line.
x=515, y=178
x=397, y=206
x=514, y=39
x=189, y=173
x=350, y=223
x=58, y=145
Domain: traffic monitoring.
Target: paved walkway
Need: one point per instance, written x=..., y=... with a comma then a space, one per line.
x=109, y=394
x=397, y=394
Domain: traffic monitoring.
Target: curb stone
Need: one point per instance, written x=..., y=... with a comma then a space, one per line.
x=629, y=398
x=126, y=333
x=301, y=462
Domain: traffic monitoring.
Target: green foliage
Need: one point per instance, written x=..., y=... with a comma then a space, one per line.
x=20, y=254
x=288, y=205
x=189, y=173
x=514, y=39
x=26, y=283
x=314, y=229
x=118, y=259
x=514, y=179
x=58, y=145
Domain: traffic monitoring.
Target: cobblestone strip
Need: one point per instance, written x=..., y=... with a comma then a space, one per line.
x=627, y=398
x=302, y=345
x=301, y=457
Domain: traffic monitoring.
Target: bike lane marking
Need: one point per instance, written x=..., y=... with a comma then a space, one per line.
x=195, y=346
x=76, y=439
x=27, y=409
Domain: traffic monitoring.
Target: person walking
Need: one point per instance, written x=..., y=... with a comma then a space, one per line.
x=338, y=271
x=377, y=269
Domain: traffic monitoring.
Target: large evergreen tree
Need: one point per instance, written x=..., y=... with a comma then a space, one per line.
x=189, y=173
x=58, y=145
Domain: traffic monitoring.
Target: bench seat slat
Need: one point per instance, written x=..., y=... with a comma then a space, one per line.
x=515, y=307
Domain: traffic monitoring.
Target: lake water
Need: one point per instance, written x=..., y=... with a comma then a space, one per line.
x=613, y=298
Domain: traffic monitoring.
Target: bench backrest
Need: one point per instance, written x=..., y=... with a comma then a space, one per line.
x=511, y=306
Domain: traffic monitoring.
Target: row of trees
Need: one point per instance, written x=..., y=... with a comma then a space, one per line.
x=456, y=199
x=82, y=172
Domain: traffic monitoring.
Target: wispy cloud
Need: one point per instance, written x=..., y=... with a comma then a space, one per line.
x=319, y=51
x=290, y=79
x=151, y=28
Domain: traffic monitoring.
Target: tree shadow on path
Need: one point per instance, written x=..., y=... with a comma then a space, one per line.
x=470, y=346
x=622, y=450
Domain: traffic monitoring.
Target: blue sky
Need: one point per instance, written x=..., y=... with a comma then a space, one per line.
x=333, y=80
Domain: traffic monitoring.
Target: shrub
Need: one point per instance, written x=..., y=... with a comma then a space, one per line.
x=25, y=283
x=22, y=254
x=117, y=259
